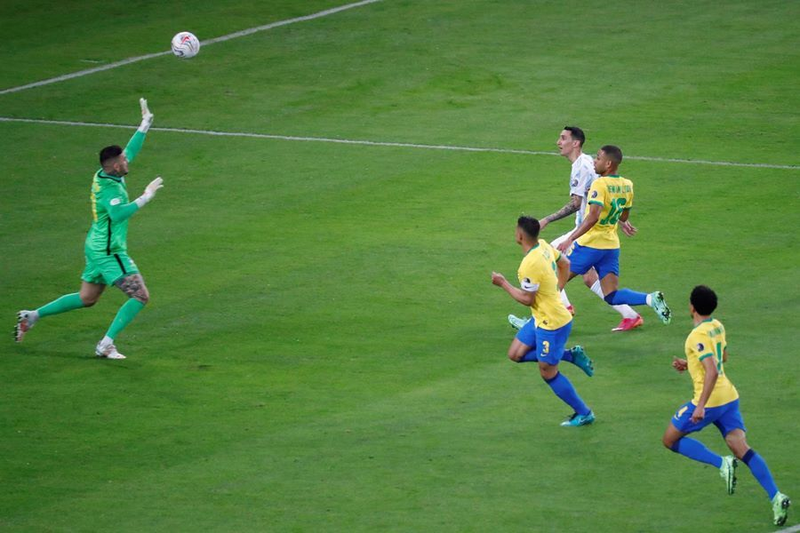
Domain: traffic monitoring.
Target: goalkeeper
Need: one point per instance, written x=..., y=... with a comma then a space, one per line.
x=107, y=260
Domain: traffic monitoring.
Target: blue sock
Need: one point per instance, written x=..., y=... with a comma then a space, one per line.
x=567, y=356
x=563, y=389
x=694, y=449
x=760, y=471
x=626, y=296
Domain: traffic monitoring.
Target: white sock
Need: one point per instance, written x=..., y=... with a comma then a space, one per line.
x=33, y=318
x=106, y=341
x=649, y=300
x=625, y=310
x=595, y=288
x=564, y=299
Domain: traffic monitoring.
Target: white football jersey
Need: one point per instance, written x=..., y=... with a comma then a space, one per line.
x=580, y=180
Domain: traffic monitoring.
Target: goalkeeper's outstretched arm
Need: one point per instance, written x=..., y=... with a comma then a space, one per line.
x=135, y=144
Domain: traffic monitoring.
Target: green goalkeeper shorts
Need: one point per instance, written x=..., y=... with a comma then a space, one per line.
x=107, y=269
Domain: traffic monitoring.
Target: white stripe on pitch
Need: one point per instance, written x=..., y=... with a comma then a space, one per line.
x=386, y=143
x=220, y=39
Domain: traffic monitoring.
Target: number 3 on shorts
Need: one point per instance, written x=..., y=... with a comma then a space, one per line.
x=545, y=347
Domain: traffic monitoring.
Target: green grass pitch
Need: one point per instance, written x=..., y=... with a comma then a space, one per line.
x=324, y=350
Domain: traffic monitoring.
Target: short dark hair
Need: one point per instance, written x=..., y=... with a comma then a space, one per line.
x=109, y=152
x=614, y=153
x=704, y=300
x=529, y=225
x=576, y=133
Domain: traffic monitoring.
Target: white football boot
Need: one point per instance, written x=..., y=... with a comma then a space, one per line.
x=107, y=351
x=25, y=321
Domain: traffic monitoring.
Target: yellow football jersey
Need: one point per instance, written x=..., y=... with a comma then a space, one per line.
x=708, y=340
x=537, y=273
x=615, y=195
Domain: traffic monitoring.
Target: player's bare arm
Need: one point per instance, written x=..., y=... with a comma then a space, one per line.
x=591, y=219
x=708, y=386
x=626, y=227
x=572, y=206
x=562, y=271
x=523, y=297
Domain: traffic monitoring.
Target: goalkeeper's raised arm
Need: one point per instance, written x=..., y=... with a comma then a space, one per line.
x=135, y=144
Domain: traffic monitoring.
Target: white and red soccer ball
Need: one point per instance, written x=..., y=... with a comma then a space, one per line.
x=185, y=45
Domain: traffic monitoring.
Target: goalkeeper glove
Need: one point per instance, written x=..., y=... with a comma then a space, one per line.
x=147, y=116
x=149, y=191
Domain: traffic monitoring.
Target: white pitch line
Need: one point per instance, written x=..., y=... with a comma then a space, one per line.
x=383, y=143
x=220, y=39
x=792, y=529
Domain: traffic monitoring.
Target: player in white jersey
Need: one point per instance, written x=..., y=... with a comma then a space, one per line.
x=570, y=145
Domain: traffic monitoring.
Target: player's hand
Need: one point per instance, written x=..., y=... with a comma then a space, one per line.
x=628, y=228
x=698, y=414
x=564, y=246
x=679, y=364
x=147, y=116
x=498, y=279
x=152, y=188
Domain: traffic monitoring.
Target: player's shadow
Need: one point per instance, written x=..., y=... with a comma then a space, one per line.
x=70, y=354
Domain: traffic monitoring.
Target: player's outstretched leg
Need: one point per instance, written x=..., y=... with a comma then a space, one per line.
x=616, y=296
x=654, y=300
x=676, y=440
x=69, y=302
x=694, y=449
x=630, y=318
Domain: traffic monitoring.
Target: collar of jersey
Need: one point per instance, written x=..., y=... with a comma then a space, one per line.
x=532, y=249
x=703, y=322
x=613, y=176
x=101, y=174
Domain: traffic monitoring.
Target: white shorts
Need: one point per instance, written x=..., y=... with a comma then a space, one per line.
x=559, y=240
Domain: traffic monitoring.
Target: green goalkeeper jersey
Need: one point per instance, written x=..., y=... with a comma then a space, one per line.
x=111, y=208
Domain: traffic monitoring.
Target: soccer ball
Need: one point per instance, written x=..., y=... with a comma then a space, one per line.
x=185, y=45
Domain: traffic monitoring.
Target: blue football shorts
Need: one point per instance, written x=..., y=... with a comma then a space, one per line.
x=549, y=344
x=726, y=417
x=583, y=258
